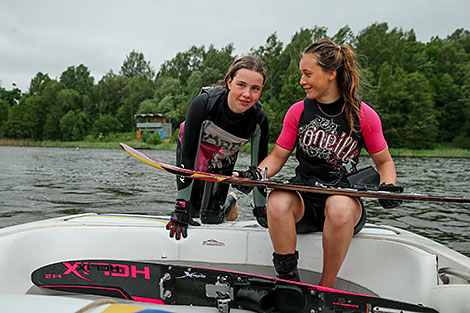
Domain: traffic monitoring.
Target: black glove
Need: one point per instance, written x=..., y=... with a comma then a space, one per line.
x=180, y=219
x=261, y=217
x=253, y=173
x=390, y=203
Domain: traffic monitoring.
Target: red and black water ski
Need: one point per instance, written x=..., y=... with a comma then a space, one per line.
x=286, y=186
x=185, y=285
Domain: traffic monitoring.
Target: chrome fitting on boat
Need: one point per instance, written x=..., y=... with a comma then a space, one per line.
x=164, y=294
x=222, y=292
x=388, y=310
x=444, y=273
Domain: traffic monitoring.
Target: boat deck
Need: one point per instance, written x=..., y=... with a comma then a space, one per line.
x=382, y=261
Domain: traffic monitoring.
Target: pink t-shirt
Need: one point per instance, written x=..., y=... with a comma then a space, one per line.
x=370, y=127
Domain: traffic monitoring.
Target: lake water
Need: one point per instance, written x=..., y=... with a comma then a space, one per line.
x=38, y=183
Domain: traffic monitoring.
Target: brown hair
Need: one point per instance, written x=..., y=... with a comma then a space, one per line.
x=249, y=62
x=340, y=58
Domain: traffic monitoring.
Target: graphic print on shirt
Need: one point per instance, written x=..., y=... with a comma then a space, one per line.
x=320, y=139
x=218, y=147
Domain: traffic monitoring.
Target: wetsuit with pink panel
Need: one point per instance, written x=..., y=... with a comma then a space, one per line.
x=210, y=140
x=327, y=150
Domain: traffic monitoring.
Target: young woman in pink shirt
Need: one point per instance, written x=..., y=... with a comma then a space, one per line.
x=328, y=129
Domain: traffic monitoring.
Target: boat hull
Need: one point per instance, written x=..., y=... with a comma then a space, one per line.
x=382, y=261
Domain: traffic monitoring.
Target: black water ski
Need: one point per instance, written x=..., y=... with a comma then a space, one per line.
x=286, y=186
x=184, y=285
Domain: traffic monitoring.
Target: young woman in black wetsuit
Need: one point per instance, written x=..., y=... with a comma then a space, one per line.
x=220, y=121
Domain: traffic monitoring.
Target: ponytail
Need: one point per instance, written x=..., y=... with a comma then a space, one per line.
x=340, y=58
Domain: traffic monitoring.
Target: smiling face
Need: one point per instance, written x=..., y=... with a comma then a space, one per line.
x=244, y=90
x=317, y=83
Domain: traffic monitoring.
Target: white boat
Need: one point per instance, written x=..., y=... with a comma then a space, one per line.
x=382, y=261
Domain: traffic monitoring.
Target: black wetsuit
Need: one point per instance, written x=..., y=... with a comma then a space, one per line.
x=210, y=139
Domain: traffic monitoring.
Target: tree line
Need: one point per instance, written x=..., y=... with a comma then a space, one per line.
x=420, y=90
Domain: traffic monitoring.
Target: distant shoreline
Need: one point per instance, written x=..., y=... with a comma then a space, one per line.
x=438, y=153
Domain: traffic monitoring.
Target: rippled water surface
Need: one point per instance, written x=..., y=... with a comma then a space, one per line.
x=39, y=183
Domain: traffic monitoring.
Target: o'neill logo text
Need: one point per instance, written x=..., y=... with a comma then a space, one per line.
x=213, y=243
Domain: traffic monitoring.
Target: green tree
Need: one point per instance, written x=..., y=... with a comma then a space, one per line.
x=63, y=101
x=38, y=83
x=451, y=118
x=34, y=115
x=123, y=116
x=195, y=82
x=169, y=86
x=53, y=110
x=106, y=124
x=148, y=106
x=172, y=100
x=135, y=65
x=3, y=115
x=78, y=78
x=416, y=58
x=270, y=54
x=183, y=64
x=379, y=45
x=450, y=61
x=216, y=63
x=137, y=90
x=462, y=137
x=68, y=99
x=416, y=87
x=25, y=119
x=151, y=138
x=73, y=126
x=52, y=124
x=406, y=109
x=109, y=94
x=213, y=63
x=10, y=96
x=17, y=125
x=344, y=36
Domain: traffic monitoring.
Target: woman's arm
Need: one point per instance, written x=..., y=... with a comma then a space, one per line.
x=192, y=129
x=275, y=160
x=385, y=166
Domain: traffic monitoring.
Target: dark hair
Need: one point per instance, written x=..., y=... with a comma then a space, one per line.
x=340, y=58
x=249, y=62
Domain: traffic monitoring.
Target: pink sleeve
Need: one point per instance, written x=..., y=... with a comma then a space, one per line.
x=288, y=134
x=371, y=129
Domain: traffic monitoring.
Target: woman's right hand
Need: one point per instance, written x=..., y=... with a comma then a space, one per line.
x=253, y=173
x=180, y=219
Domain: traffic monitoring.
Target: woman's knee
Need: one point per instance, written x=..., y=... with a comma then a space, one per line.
x=342, y=211
x=281, y=203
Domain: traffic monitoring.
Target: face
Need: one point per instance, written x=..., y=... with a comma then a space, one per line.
x=317, y=83
x=244, y=90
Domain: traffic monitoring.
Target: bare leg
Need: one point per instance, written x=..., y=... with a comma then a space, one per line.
x=233, y=215
x=341, y=215
x=284, y=209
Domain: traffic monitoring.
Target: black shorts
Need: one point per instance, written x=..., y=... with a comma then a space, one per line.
x=314, y=214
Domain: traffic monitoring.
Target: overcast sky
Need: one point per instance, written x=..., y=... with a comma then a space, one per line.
x=50, y=35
